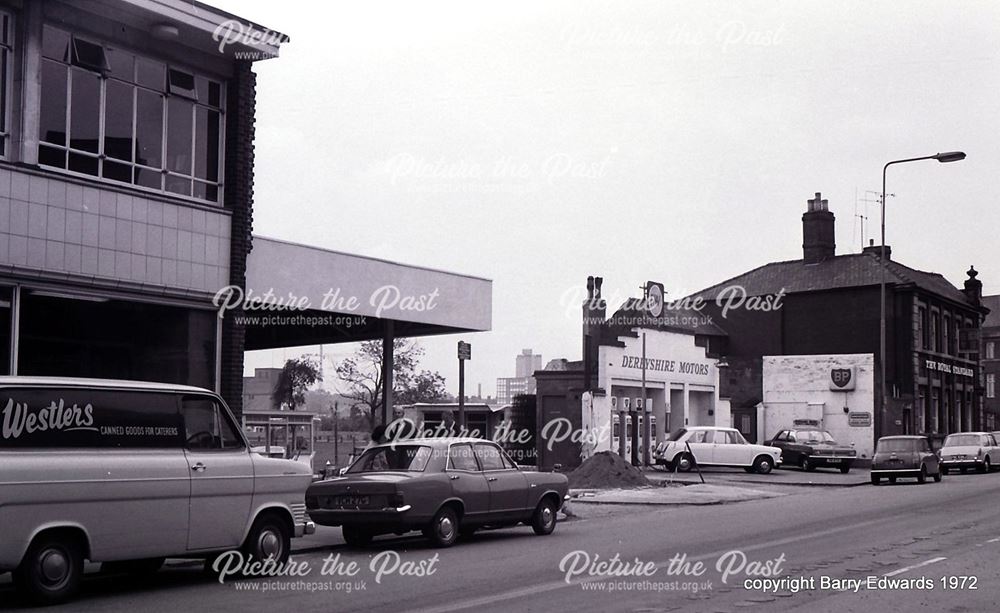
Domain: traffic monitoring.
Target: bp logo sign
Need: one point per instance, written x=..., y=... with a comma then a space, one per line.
x=842, y=379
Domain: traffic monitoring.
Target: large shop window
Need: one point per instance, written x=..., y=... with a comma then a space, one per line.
x=80, y=336
x=112, y=114
x=6, y=314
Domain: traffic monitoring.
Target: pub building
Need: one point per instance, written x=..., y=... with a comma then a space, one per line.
x=126, y=205
x=682, y=354
x=830, y=306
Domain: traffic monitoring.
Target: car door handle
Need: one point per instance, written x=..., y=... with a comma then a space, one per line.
x=453, y=477
x=199, y=467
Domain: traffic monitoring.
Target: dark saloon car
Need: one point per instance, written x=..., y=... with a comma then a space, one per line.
x=904, y=456
x=442, y=486
x=809, y=449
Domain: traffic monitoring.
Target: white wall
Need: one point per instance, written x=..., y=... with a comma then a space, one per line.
x=798, y=387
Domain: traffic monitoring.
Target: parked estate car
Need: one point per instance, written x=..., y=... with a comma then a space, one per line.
x=810, y=449
x=442, y=486
x=964, y=450
x=715, y=446
x=128, y=474
x=904, y=457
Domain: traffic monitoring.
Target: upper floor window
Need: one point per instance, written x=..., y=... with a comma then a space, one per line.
x=922, y=331
x=122, y=117
x=946, y=336
x=990, y=350
x=5, y=59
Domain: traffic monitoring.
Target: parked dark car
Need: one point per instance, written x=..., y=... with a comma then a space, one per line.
x=442, y=486
x=810, y=448
x=902, y=457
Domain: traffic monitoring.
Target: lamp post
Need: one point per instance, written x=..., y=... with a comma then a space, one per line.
x=948, y=156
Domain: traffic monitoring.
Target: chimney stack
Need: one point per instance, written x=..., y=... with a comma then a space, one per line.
x=876, y=250
x=594, y=313
x=973, y=287
x=818, y=241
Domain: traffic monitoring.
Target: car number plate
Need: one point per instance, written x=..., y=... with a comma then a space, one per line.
x=352, y=501
x=834, y=460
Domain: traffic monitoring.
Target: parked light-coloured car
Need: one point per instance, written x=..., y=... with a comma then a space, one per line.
x=128, y=474
x=715, y=446
x=964, y=450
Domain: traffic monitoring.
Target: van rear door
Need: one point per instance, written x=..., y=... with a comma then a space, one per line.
x=222, y=475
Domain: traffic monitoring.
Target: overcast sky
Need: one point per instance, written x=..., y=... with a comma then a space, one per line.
x=535, y=143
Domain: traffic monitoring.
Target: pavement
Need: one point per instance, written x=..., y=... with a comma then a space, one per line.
x=832, y=550
x=780, y=476
x=677, y=494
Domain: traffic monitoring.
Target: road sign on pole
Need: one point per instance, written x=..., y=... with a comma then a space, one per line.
x=464, y=353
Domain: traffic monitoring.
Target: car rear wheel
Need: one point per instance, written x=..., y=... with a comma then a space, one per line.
x=356, y=536
x=444, y=529
x=763, y=465
x=51, y=570
x=544, y=520
x=876, y=479
x=808, y=465
x=922, y=477
x=684, y=462
x=985, y=467
x=937, y=476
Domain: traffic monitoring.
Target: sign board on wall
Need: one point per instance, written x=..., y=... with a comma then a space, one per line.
x=842, y=379
x=859, y=419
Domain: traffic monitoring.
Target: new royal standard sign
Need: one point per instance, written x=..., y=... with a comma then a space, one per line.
x=842, y=379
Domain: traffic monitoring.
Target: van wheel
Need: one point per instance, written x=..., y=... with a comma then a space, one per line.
x=443, y=529
x=147, y=566
x=544, y=520
x=51, y=570
x=356, y=536
x=269, y=539
x=763, y=465
x=937, y=477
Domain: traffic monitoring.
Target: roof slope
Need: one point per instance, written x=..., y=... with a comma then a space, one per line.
x=843, y=271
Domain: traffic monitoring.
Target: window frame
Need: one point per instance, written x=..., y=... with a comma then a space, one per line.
x=479, y=460
x=166, y=95
x=222, y=414
x=6, y=113
x=448, y=465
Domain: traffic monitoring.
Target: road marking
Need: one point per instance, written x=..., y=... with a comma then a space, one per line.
x=915, y=566
x=541, y=588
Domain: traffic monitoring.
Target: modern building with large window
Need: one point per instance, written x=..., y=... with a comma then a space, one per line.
x=125, y=189
x=126, y=197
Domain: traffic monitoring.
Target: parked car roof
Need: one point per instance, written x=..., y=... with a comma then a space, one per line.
x=438, y=441
x=98, y=383
x=902, y=436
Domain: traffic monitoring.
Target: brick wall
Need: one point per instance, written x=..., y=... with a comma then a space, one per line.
x=241, y=98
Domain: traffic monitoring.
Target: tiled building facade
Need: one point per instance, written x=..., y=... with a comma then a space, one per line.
x=126, y=189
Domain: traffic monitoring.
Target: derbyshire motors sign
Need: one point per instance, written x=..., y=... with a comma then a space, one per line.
x=669, y=366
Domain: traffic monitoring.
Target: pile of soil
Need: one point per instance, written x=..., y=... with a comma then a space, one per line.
x=606, y=469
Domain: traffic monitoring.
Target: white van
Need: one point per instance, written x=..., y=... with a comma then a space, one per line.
x=129, y=473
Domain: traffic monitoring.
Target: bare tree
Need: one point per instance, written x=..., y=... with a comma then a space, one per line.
x=361, y=375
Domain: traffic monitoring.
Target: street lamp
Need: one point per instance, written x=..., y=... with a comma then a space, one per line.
x=947, y=156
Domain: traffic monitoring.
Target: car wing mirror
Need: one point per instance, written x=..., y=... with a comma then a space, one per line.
x=342, y=471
